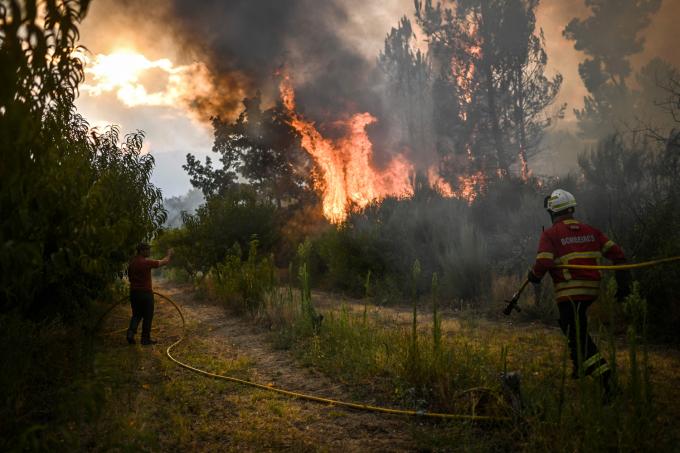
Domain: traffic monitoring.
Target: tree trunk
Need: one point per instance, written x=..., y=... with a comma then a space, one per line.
x=501, y=157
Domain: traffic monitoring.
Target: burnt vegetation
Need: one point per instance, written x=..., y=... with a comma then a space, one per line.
x=463, y=89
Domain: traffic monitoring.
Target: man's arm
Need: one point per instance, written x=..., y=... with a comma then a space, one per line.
x=166, y=259
x=613, y=252
x=545, y=259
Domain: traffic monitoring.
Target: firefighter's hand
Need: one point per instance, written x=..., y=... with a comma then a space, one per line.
x=533, y=278
x=622, y=285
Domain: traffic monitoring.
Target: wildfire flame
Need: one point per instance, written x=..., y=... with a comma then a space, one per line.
x=348, y=176
x=464, y=70
x=437, y=182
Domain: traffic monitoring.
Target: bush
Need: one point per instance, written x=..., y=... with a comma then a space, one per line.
x=631, y=189
x=445, y=235
x=207, y=236
x=57, y=178
x=242, y=284
x=74, y=204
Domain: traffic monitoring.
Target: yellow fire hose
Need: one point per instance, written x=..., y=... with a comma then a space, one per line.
x=512, y=303
x=620, y=267
x=303, y=396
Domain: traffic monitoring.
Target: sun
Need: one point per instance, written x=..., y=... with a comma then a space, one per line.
x=119, y=68
x=122, y=72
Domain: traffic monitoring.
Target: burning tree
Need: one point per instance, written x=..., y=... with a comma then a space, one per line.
x=489, y=54
x=260, y=148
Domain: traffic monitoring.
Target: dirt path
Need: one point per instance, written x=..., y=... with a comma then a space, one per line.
x=155, y=405
x=322, y=427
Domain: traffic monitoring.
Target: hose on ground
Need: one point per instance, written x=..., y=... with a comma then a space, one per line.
x=318, y=399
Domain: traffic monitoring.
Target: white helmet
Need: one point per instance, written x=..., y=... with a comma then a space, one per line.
x=558, y=201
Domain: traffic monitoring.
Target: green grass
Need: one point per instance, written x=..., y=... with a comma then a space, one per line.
x=447, y=365
x=151, y=404
x=422, y=365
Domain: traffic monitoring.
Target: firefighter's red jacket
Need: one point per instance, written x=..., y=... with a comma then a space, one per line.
x=569, y=241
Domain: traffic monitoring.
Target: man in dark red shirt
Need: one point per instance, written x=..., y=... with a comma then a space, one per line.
x=569, y=241
x=141, y=292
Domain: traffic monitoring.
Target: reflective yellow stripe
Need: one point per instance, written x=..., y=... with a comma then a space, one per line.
x=545, y=255
x=566, y=274
x=577, y=292
x=601, y=370
x=570, y=221
x=564, y=259
x=608, y=245
x=577, y=283
x=592, y=361
x=566, y=204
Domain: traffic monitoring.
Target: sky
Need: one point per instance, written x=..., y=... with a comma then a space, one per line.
x=173, y=126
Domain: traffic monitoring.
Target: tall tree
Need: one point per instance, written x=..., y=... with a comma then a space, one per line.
x=409, y=89
x=260, y=149
x=490, y=51
x=609, y=37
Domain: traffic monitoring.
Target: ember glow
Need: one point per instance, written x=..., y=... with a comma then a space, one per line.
x=129, y=75
x=348, y=177
x=465, y=72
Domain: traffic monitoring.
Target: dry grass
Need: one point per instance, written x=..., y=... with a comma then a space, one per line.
x=152, y=405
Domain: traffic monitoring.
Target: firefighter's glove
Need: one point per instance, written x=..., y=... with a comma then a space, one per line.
x=622, y=285
x=533, y=278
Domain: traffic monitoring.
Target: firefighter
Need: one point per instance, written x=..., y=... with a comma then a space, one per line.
x=569, y=241
x=141, y=292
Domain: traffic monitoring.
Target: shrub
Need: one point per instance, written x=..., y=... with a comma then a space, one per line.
x=74, y=204
x=207, y=236
x=242, y=284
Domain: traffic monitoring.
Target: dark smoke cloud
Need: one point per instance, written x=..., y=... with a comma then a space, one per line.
x=255, y=38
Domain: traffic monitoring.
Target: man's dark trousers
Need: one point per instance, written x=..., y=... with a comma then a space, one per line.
x=142, y=310
x=573, y=320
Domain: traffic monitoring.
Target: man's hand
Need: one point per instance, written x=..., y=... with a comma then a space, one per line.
x=168, y=255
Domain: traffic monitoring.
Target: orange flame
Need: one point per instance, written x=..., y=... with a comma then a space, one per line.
x=525, y=172
x=469, y=187
x=438, y=183
x=348, y=177
x=464, y=71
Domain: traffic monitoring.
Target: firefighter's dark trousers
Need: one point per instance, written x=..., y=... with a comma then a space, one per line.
x=574, y=323
x=142, y=310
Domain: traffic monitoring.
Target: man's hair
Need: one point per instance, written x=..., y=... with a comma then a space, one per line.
x=143, y=246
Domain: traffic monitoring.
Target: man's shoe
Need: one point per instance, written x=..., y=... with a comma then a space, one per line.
x=130, y=337
x=148, y=341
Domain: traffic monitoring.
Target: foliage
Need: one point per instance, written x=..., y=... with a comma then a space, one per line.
x=409, y=97
x=605, y=71
x=631, y=191
x=45, y=385
x=74, y=204
x=454, y=365
x=207, y=236
x=488, y=53
x=242, y=284
x=56, y=179
x=463, y=244
x=262, y=148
